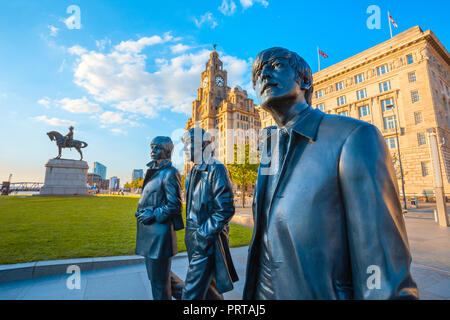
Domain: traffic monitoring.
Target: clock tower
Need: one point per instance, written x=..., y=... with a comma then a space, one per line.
x=223, y=109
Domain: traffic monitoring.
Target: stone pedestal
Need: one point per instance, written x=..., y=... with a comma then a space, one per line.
x=65, y=178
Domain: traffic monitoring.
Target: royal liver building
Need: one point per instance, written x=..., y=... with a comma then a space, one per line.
x=227, y=113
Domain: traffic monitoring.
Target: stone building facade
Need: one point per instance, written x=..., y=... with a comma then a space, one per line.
x=227, y=113
x=402, y=87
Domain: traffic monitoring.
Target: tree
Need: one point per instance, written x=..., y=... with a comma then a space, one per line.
x=243, y=172
x=136, y=184
x=396, y=164
x=127, y=185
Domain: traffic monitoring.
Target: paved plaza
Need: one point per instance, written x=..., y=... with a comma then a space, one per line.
x=430, y=247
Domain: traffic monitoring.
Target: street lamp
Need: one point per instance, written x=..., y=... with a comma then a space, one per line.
x=399, y=157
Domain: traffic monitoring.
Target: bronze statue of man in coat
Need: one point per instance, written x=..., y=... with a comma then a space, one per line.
x=209, y=208
x=159, y=217
x=328, y=220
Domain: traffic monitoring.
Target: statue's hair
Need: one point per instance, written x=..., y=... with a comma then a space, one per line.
x=166, y=144
x=296, y=62
x=191, y=133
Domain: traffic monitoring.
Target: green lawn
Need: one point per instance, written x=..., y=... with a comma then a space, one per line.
x=44, y=228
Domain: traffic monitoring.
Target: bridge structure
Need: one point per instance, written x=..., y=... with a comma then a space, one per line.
x=15, y=187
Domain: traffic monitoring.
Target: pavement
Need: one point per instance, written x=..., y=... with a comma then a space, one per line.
x=429, y=243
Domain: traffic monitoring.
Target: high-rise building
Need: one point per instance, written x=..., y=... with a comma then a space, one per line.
x=137, y=173
x=227, y=113
x=100, y=169
x=114, y=183
x=402, y=87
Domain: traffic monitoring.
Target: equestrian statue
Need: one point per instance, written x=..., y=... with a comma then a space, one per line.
x=66, y=141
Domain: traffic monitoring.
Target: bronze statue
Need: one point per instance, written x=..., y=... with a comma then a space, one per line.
x=66, y=142
x=159, y=217
x=328, y=220
x=209, y=208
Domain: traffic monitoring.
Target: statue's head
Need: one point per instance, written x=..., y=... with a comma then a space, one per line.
x=71, y=128
x=279, y=74
x=196, y=140
x=161, y=148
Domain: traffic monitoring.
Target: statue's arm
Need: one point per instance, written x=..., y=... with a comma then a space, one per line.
x=376, y=233
x=173, y=205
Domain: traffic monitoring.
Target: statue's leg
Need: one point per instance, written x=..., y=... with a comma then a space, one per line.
x=59, y=152
x=81, y=154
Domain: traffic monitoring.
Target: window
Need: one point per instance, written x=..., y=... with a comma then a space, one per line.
x=385, y=86
x=319, y=94
x=359, y=78
x=382, y=70
x=339, y=86
x=391, y=143
x=364, y=111
x=341, y=100
x=321, y=107
x=238, y=125
x=361, y=94
x=388, y=123
x=418, y=117
x=421, y=139
x=387, y=104
x=237, y=115
x=425, y=168
x=343, y=113
x=409, y=59
x=415, y=96
x=412, y=77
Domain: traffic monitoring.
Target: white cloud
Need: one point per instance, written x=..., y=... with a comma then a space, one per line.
x=79, y=105
x=227, y=8
x=120, y=78
x=111, y=117
x=207, y=18
x=55, y=121
x=248, y=3
x=178, y=48
x=45, y=102
x=133, y=46
x=53, y=30
x=118, y=131
x=77, y=50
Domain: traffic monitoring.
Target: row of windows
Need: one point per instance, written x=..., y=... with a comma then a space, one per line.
x=392, y=142
x=359, y=78
x=243, y=118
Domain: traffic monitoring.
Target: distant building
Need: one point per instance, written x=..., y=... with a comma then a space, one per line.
x=114, y=183
x=94, y=180
x=137, y=173
x=100, y=169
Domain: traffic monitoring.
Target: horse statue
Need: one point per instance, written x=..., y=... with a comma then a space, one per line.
x=60, y=142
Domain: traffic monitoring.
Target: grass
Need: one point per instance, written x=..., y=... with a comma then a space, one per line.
x=46, y=228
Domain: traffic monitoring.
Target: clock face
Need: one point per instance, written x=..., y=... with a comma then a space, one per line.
x=219, y=81
x=205, y=82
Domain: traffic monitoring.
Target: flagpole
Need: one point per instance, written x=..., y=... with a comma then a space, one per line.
x=318, y=56
x=390, y=27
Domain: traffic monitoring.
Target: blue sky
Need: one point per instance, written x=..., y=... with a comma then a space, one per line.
x=131, y=70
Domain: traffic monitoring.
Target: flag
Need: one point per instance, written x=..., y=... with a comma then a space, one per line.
x=323, y=54
x=392, y=20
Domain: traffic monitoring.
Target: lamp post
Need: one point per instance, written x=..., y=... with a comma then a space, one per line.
x=399, y=158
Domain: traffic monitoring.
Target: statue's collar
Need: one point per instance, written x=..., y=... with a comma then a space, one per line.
x=306, y=123
x=159, y=164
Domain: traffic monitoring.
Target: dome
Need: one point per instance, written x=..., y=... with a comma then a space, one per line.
x=236, y=88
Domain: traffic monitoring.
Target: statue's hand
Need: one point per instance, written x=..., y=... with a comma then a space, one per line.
x=139, y=212
x=146, y=218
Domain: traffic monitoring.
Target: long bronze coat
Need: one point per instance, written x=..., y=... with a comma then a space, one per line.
x=335, y=217
x=213, y=208
x=161, y=194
